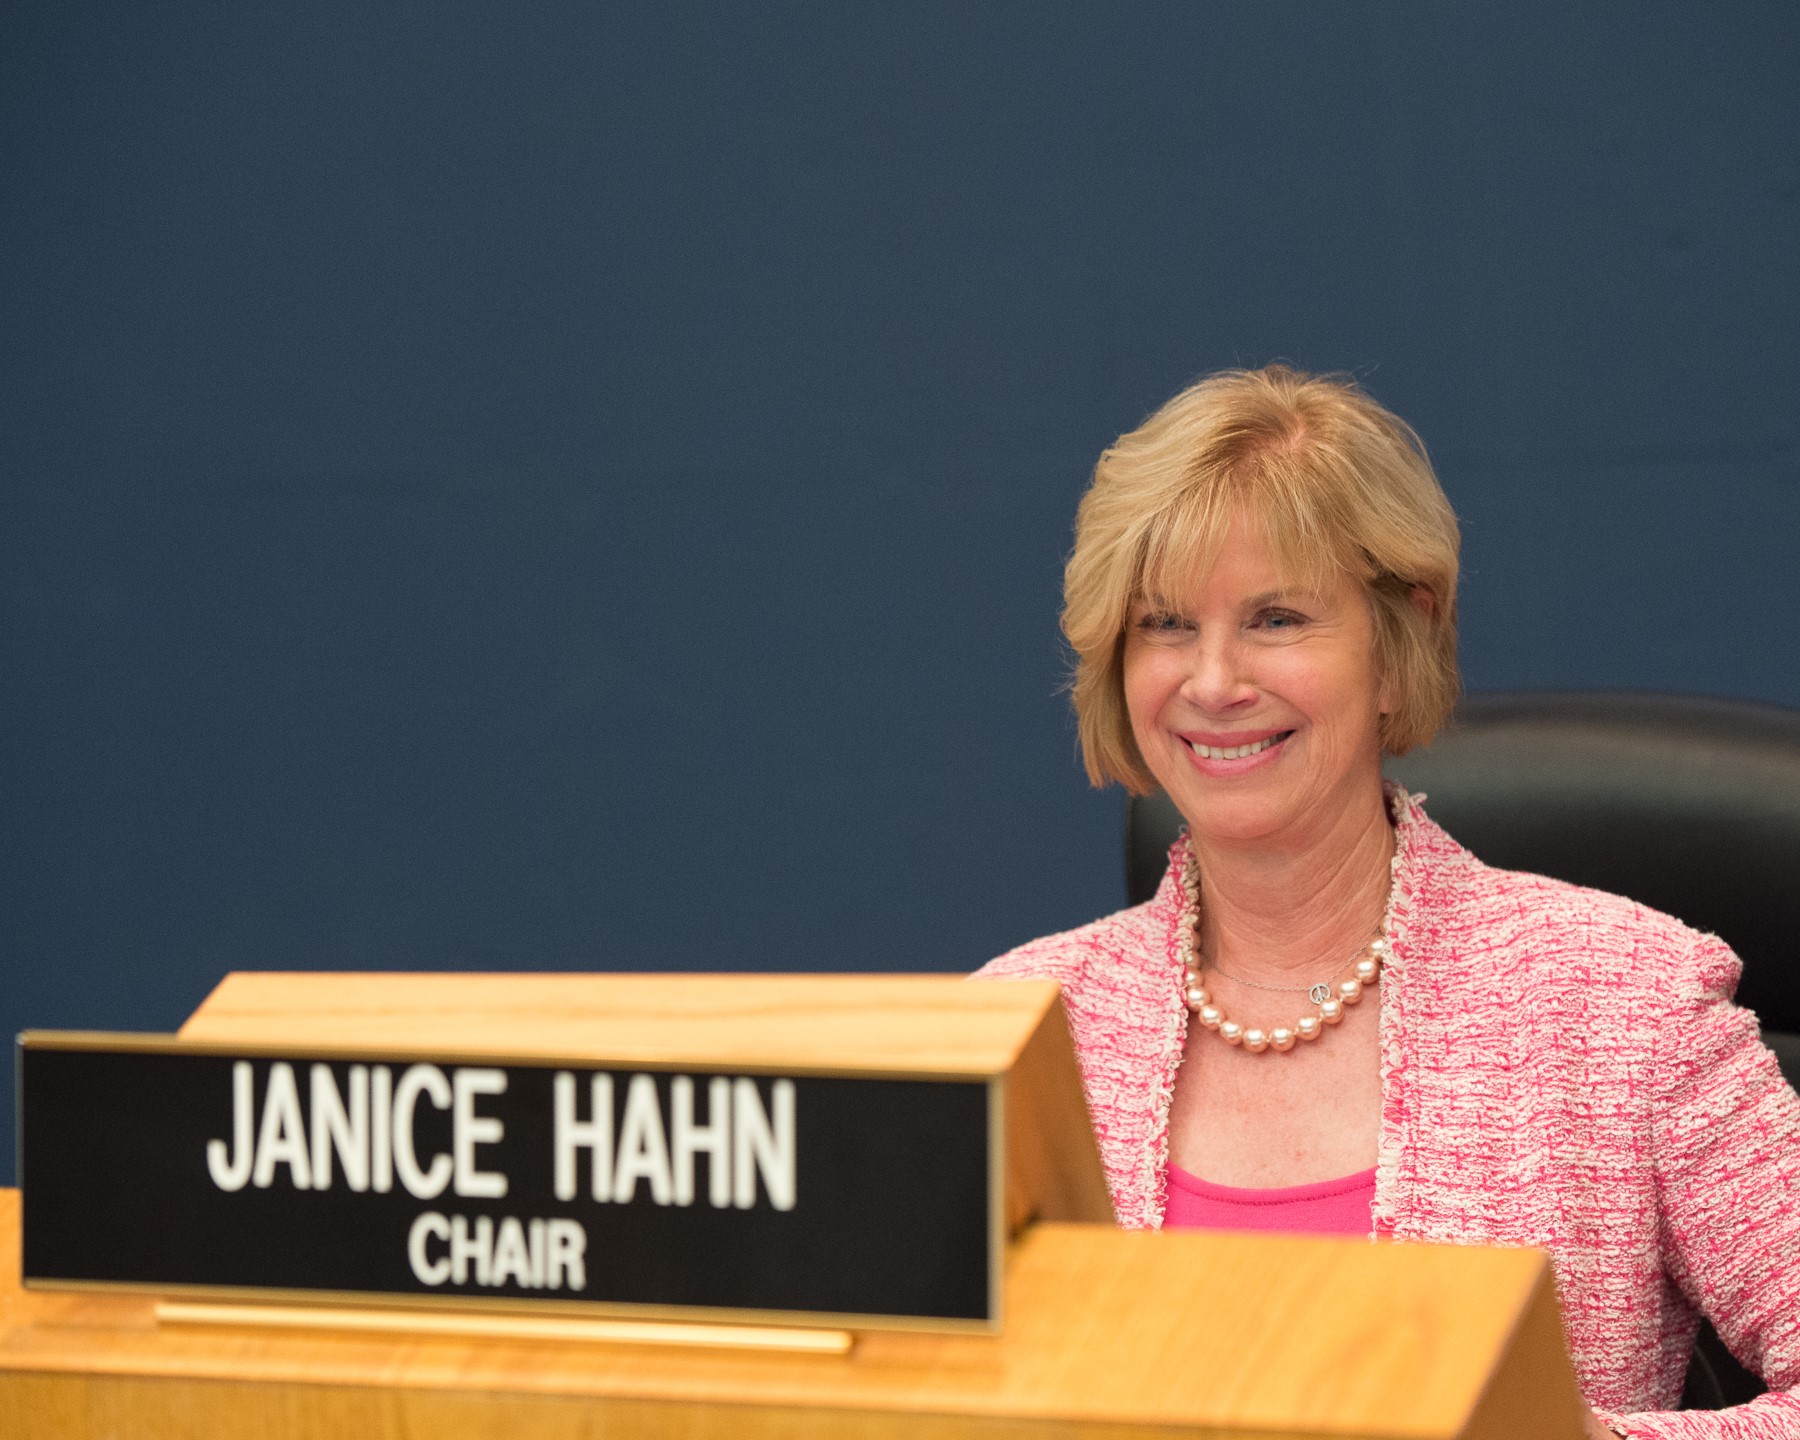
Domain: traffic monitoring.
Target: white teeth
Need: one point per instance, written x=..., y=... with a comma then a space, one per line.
x=1231, y=752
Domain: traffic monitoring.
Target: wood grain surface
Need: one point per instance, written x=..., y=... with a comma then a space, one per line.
x=910, y=1024
x=1053, y=1169
x=1108, y=1334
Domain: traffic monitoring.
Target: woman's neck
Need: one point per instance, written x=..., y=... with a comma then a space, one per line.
x=1287, y=911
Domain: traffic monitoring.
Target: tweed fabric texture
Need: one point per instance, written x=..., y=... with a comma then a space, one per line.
x=1560, y=1068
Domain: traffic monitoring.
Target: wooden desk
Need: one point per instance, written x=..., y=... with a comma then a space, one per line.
x=1108, y=1335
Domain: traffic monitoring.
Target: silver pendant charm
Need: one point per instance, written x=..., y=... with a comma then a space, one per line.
x=1319, y=994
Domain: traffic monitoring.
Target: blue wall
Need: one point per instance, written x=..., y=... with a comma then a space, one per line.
x=577, y=485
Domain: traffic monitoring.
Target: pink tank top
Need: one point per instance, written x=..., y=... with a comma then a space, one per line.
x=1328, y=1207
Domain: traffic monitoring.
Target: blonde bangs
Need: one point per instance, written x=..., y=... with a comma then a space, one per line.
x=1182, y=543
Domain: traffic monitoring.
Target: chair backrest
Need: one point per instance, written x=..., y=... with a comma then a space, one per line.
x=1688, y=805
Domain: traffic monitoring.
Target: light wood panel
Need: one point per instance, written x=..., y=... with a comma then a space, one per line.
x=1534, y=1373
x=1108, y=1335
x=911, y=1024
x=1053, y=1169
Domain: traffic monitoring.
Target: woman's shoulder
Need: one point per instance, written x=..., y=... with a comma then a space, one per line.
x=1127, y=939
x=1484, y=913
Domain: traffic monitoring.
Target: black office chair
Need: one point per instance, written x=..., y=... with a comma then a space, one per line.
x=1689, y=805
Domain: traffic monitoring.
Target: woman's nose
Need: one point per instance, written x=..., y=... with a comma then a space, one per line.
x=1218, y=679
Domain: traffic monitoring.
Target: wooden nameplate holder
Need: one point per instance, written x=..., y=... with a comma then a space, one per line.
x=1080, y=1330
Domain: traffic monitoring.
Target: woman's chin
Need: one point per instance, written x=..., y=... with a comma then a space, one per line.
x=1238, y=819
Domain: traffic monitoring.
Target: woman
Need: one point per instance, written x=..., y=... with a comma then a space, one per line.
x=1333, y=1018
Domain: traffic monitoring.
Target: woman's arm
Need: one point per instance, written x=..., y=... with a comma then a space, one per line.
x=1726, y=1141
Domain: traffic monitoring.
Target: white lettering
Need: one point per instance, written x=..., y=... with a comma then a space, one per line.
x=465, y=1247
x=282, y=1140
x=381, y=1130
x=335, y=1127
x=428, y=1226
x=533, y=1254
x=566, y=1243
x=686, y=1139
x=572, y=1134
x=230, y=1172
x=469, y=1130
x=643, y=1152
x=762, y=1147
x=512, y=1260
x=424, y=1184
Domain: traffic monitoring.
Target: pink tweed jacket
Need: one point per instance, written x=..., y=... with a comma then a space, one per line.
x=1560, y=1068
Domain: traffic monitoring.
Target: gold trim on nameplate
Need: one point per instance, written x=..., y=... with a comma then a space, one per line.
x=506, y=1327
x=139, y=1043
x=266, y=1297
x=996, y=1103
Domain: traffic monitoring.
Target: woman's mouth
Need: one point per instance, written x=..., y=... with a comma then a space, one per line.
x=1237, y=752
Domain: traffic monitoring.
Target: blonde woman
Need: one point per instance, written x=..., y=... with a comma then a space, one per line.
x=1331, y=1017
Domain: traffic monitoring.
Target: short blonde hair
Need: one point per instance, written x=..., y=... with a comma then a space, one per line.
x=1340, y=484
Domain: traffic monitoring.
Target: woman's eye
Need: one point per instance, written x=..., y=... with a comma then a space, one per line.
x=1280, y=620
x=1161, y=622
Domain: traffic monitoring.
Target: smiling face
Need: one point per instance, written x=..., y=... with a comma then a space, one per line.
x=1256, y=704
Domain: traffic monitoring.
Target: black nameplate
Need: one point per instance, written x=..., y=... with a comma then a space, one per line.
x=158, y=1164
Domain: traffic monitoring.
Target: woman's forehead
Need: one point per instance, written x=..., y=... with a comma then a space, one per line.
x=1206, y=525
x=1250, y=561
x=1223, y=588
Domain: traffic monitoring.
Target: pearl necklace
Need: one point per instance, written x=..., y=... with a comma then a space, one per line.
x=1329, y=999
